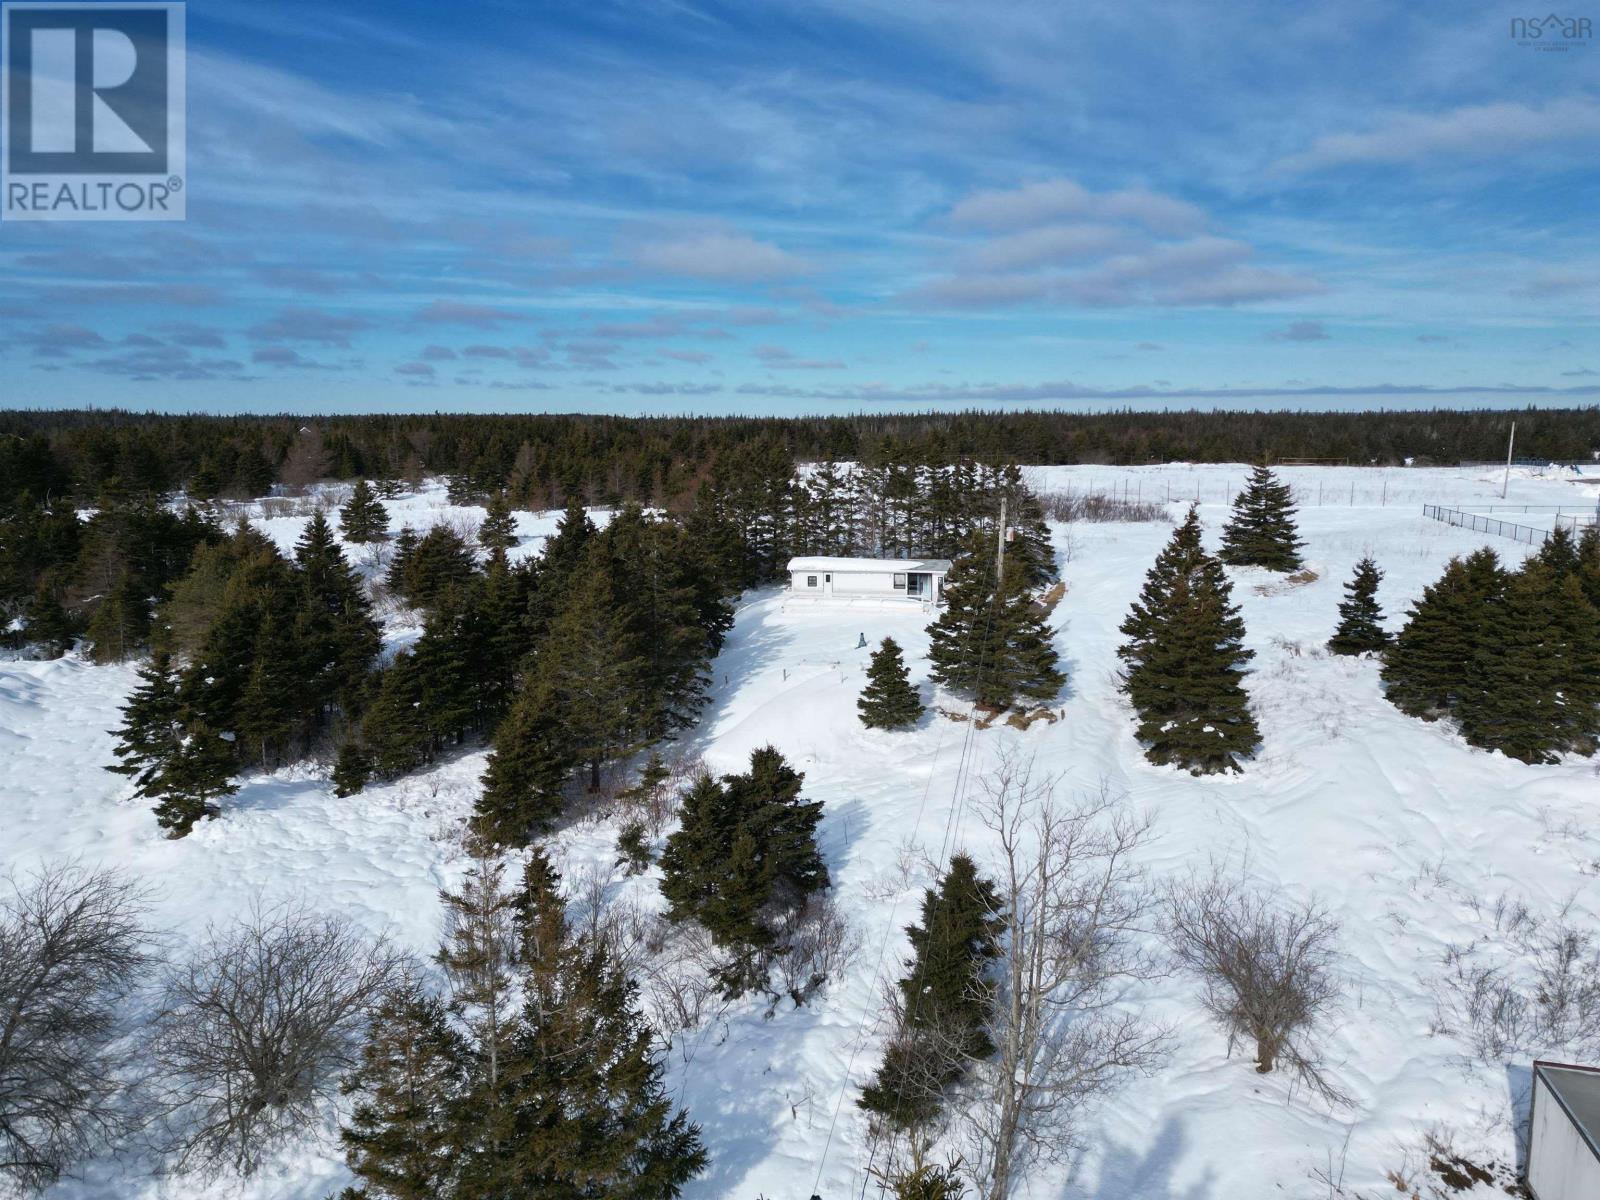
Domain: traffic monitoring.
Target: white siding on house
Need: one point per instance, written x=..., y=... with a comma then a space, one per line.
x=1562, y=1164
x=864, y=581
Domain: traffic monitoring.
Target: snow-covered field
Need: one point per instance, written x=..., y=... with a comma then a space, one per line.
x=1406, y=833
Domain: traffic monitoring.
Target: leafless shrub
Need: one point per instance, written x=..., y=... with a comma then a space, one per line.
x=276, y=506
x=463, y=525
x=255, y=1028
x=1268, y=966
x=1092, y=506
x=821, y=946
x=73, y=946
x=679, y=984
x=1540, y=992
x=1072, y=902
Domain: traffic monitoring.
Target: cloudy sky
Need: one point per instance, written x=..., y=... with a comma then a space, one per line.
x=838, y=206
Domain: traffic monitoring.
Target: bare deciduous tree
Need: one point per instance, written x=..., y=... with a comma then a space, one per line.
x=256, y=1027
x=73, y=946
x=1268, y=966
x=1073, y=905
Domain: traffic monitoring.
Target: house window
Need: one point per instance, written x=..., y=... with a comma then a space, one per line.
x=811, y=581
x=899, y=581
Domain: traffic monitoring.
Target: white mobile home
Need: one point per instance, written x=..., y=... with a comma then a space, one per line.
x=918, y=580
x=1564, y=1141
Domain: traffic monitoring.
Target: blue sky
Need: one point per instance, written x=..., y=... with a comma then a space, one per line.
x=840, y=206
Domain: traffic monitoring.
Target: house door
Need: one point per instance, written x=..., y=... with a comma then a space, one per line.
x=827, y=585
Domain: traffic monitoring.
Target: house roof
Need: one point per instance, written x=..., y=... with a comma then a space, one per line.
x=1578, y=1089
x=844, y=566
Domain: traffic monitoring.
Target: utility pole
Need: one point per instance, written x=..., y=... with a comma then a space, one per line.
x=1510, y=446
x=1000, y=544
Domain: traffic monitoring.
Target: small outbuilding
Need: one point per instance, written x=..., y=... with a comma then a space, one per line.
x=917, y=580
x=1564, y=1132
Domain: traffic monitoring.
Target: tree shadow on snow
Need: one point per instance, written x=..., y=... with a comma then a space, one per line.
x=1126, y=1174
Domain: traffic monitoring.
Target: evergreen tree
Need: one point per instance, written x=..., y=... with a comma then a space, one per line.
x=440, y=560
x=888, y=701
x=193, y=780
x=990, y=640
x=581, y=1112
x=363, y=517
x=121, y=621
x=1510, y=696
x=401, y=560
x=1030, y=540
x=335, y=634
x=273, y=695
x=1589, y=564
x=945, y=999
x=152, y=726
x=560, y=559
x=1424, y=669
x=478, y=958
x=1261, y=532
x=1559, y=553
x=46, y=623
x=404, y=1135
x=1360, y=628
x=1184, y=654
x=746, y=855
x=393, y=731
x=596, y=670
x=524, y=782
x=633, y=849
x=352, y=770
x=499, y=528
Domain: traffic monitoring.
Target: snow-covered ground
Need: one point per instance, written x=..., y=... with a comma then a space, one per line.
x=1405, y=832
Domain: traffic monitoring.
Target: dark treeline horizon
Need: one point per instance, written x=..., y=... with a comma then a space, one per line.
x=541, y=459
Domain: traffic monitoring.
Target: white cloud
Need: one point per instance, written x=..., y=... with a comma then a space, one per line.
x=1482, y=131
x=722, y=256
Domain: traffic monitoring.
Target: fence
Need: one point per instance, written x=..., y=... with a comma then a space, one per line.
x=1519, y=533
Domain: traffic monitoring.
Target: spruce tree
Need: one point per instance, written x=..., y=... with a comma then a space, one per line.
x=1575, y=643
x=352, y=770
x=1509, y=698
x=152, y=725
x=400, y=561
x=596, y=669
x=499, y=528
x=440, y=560
x=395, y=736
x=563, y=553
x=888, y=701
x=404, y=1136
x=1424, y=668
x=1360, y=628
x=582, y=1112
x=525, y=779
x=1261, y=531
x=746, y=854
x=191, y=783
x=945, y=999
x=46, y=624
x=363, y=517
x=1589, y=564
x=1559, y=553
x=336, y=636
x=1184, y=655
x=991, y=641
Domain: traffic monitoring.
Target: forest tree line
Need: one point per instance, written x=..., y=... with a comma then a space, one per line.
x=540, y=460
